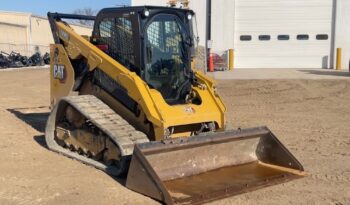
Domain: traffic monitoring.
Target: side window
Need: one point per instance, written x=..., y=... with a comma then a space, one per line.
x=106, y=28
x=117, y=34
x=245, y=38
x=302, y=37
x=283, y=37
x=124, y=41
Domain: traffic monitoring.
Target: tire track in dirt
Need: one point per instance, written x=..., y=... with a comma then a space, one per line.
x=330, y=178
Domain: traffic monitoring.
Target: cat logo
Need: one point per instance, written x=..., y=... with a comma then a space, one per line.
x=59, y=72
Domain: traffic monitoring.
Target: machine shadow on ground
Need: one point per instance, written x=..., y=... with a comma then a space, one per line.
x=36, y=118
x=32, y=116
x=327, y=72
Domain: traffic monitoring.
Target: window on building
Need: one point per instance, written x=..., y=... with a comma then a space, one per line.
x=245, y=38
x=264, y=37
x=283, y=37
x=322, y=36
x=302, y=37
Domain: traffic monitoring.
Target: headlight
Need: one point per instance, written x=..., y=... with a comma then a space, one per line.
x=189, y=16
x=146, y=13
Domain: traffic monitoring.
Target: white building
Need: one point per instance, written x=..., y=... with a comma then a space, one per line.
x=275, y=33
x=27, y=33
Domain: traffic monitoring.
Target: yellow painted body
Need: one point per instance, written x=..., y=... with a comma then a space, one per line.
x=151, y=102
x=60, y=88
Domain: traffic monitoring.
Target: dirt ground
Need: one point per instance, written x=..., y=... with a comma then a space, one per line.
x=311, y=117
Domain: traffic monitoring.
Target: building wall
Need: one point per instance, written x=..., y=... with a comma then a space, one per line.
x=14, y=32
x=18, y=33
x=26, y=33
x=342, y=36
x=82, y=30
x=222, y=24
x=41, y=36
x=14, y=18
x=10, y=42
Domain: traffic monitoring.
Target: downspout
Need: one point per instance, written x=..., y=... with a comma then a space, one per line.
x=207, y=33
x=209, y=20
x=333, y=33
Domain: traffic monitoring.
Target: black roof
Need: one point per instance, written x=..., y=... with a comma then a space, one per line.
x=142, y=8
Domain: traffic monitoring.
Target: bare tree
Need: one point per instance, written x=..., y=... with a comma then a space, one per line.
x=88, y=12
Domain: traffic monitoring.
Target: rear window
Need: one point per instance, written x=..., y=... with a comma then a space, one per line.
x=117, y=33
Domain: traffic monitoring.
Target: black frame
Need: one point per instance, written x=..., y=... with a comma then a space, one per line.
x=59, y=16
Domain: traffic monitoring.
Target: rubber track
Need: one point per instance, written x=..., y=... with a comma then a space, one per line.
x=110, y=123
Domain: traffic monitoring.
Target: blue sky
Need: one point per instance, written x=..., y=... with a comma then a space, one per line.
x=41, y=7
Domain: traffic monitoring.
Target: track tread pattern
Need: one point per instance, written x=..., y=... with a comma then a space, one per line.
x=109, y=122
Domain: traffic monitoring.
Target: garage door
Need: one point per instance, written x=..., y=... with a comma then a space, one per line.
x=343, y=31
x=282, y=33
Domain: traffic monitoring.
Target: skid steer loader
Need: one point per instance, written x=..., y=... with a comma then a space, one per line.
x=125, y=100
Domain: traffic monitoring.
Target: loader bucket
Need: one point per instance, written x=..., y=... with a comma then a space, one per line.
x=205, y=168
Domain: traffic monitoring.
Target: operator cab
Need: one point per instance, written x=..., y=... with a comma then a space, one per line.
x=154, y=42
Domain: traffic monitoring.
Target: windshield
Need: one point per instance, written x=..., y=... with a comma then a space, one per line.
x=167, y=56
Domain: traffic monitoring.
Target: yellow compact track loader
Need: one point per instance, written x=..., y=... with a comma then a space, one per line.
x=126, y=100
